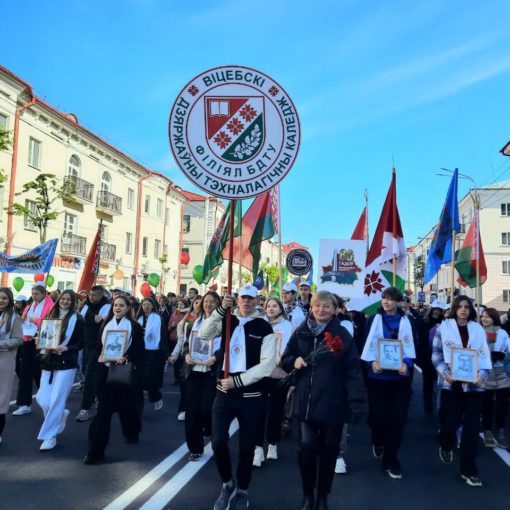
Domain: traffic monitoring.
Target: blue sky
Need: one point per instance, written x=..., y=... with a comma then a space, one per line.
x=424, y=84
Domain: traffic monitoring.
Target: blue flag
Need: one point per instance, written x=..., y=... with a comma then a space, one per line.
x=36, y=260
x=441, y=249
x=259, y=281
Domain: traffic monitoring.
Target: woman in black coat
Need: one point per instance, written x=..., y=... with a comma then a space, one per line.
x=59, y=367
x=118, y=395
x=326, y=387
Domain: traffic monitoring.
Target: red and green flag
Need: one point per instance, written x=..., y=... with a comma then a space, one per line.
x=470, y=252
x=213, y=258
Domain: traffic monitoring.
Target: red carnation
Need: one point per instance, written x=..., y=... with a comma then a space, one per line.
x=335, y=344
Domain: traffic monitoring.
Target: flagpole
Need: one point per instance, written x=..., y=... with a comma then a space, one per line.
x=452, y=289
x=228, y=317
x=394, y=270
x=280, y=278
x=477, y=244
x=366, y=221
x=240, y=283
x=100, y=245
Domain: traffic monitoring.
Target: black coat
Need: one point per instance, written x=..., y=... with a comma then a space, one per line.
x=327, y=388
x=68, y=359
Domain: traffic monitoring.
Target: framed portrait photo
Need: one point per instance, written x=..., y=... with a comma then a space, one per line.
x=114, y=345
x=464, y=364
x=390, y=354
x=49, y=334
x=200, y=349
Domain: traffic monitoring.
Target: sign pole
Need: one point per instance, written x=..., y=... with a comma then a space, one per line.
x=228, y=317
x=394, y=263
x=452, y=289
x=279, y=244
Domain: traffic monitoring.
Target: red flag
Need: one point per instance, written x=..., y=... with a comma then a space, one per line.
x=91, y=269
x=361, y=231
x=467, y=257
x=260, y=212
x=274, y=193
x=388, y=239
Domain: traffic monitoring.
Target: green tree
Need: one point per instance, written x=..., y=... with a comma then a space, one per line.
x=246, y=277
x=5, y=143
x=419, y=271
x=47, y=191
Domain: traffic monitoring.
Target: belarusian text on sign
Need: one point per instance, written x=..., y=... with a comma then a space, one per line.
x=234, y=132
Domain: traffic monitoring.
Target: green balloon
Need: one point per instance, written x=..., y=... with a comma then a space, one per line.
x=50, y=280
x=153, y=279
x=18, y=283
x=198, y=274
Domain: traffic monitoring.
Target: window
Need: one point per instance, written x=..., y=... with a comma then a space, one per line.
x=74, y=167
x=506, y=295
x=157, y=249
x=104, y=232
x=159, y=208
x=131, y=199
x=506, y=266
x=129, y=242
x=145, y=246
x=34, y=153
x=186, y=223
x=70, y=223
x=3, y=121
x=28, y=222
x=106, y=182
x=505, y=209
x=126, y=283
x=505, y=238
x=147, y=206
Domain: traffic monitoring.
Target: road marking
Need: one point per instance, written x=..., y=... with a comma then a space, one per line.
x=181, y=478
x=146, y=481
x=501, y=453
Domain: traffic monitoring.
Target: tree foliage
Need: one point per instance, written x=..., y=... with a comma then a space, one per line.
x=46, y=191
x=419, y=271
x=5, y=143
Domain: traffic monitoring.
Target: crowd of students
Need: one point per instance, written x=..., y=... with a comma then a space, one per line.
x=304, y=363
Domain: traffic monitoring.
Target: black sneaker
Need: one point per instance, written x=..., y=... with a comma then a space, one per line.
x=377, y=451
x=239, y=501
x=91, y=459
x=446, y=456
x=472, y=481
x=194, y=456
x=394, y=473
x=222, y=503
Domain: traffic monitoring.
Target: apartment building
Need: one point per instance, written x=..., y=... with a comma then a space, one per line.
x=139, y=211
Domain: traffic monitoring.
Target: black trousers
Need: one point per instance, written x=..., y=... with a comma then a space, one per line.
x=153, y=376
x=121, y=398
x=318, y=447
x=178, y=369
x=495, y=408
x=228, y=406
x=461, y=408
x=28, y=368
x=2, y=423
x=388, y=403
x=271, y=419
x=90, y=370
x=201, y=391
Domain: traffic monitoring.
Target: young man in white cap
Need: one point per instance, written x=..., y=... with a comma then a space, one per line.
x=294, y=312
x=252, y=356
x=305, y=296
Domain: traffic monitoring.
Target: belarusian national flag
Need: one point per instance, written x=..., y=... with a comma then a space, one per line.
x=388, y=242
x=219, y=241
x=468, y=254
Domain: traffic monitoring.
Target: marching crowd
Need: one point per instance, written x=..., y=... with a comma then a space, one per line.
x=305, y=363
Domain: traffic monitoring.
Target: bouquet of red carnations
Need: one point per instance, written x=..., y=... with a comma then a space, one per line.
x=332, y=344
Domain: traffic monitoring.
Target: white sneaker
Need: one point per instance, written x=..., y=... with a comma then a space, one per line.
x=158, y=405
x=22, y=410
x=64, y=421
x=341, y=466
x=258, y=456
x=181, y=416
x=272, y=452
x=48, y=444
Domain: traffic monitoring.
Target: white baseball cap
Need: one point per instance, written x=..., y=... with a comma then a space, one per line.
x=21, y=297
x=438, y=303
x=290, y=287
x=248, y=290
x=305, y=283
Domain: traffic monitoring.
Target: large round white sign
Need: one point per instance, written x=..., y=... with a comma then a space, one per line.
x=234, y=132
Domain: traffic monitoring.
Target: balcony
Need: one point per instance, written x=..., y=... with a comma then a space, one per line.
x=81, y=190
x=109, y=203
x=72, y=244
x=108, y=252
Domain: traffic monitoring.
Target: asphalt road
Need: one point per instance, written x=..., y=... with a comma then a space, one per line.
x=155, y=473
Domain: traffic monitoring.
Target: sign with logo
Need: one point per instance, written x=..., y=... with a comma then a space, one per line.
x=299, y=261
x=234, y=132
x=342, y=266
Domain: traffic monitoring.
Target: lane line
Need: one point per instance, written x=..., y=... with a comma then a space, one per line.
x=500, y=452
x=171, y=488
x=147, y=480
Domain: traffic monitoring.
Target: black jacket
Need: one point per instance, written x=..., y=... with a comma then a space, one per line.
x=327, y=388
x=68, y=359
x=92, y=328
